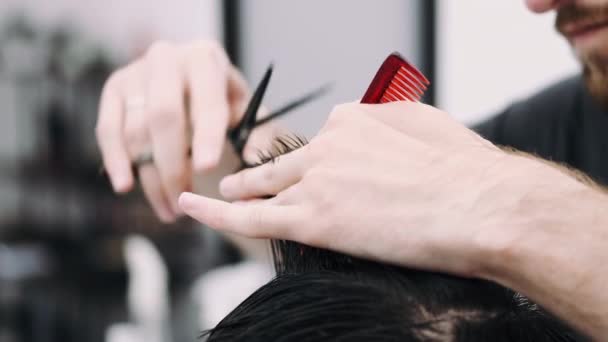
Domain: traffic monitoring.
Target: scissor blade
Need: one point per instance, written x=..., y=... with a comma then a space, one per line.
x=240, y=134
x=313, y=95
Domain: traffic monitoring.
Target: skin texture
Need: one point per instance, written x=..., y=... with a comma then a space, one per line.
x=438, y=197
x=166, y=77
x=444, y=198
x=191, y=96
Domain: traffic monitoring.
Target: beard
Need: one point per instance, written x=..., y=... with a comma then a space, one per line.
x=595, y=60
x=595, y=74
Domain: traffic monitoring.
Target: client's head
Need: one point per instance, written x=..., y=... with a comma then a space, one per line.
x=319, y=295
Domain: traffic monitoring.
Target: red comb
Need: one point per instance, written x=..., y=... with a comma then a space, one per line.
x=396, y=80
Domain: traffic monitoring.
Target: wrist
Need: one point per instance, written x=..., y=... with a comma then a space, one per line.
x=558, y=258
x=538, y=215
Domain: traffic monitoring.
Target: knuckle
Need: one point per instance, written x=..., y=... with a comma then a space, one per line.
x=243, y=179
x=315, y=173
x=134, y=136
x=112, y=85
x=163, y=115
x=403, y=105
x=161, y=55
x=316, y=148
x=321, y=145
x=207, y=50
x=267, y=174
x=419, y=108
x=257, y=182
x=313, y=180
x=220, y=115
x=339, y=112
x=343, y=114
x=441, y=113
x=343, y=107
x=317, y=187
x=159, y=49
x=281, y=198
x=114, y=80
x=256, y=217
x=211, y=48
x=326, y=145
x=101, y=131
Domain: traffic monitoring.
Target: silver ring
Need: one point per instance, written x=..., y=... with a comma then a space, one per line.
x=135, y=103
x=143, y=159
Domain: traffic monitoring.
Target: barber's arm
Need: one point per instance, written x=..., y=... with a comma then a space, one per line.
x=404, y=183
x=559, y=256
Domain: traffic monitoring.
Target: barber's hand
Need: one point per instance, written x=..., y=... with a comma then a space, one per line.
x=399, y=182
x=174, y=97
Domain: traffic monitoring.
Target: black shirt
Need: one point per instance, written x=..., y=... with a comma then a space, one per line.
x=561, y=123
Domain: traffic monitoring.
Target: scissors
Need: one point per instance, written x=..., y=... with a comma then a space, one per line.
x=239, y=135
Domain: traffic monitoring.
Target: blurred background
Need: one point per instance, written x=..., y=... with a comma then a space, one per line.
x=78, y=263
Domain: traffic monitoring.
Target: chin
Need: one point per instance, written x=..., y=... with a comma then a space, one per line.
x=596, y=79
x=598, y=53
x=593, y=55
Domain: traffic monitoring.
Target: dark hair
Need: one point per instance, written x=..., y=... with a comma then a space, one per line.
x=319, y=295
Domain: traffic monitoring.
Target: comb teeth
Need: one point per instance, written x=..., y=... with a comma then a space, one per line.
x=396, y=80
x=404, y=86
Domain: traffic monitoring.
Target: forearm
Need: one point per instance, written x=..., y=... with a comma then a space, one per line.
x=558, y=252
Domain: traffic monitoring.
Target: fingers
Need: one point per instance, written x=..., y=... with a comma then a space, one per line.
x=183, y=89
x=167, y=122
x=138, y=142
x=268, y=179
x=109, y=132
x=252, y=220
x=152, y=186
x=238, y=95
x=207, y=76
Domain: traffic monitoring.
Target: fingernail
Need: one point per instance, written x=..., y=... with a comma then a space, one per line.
x=120, y=184
x=186, y=201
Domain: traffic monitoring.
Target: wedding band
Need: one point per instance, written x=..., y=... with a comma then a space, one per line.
x=135, y=103
x=143, y=159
